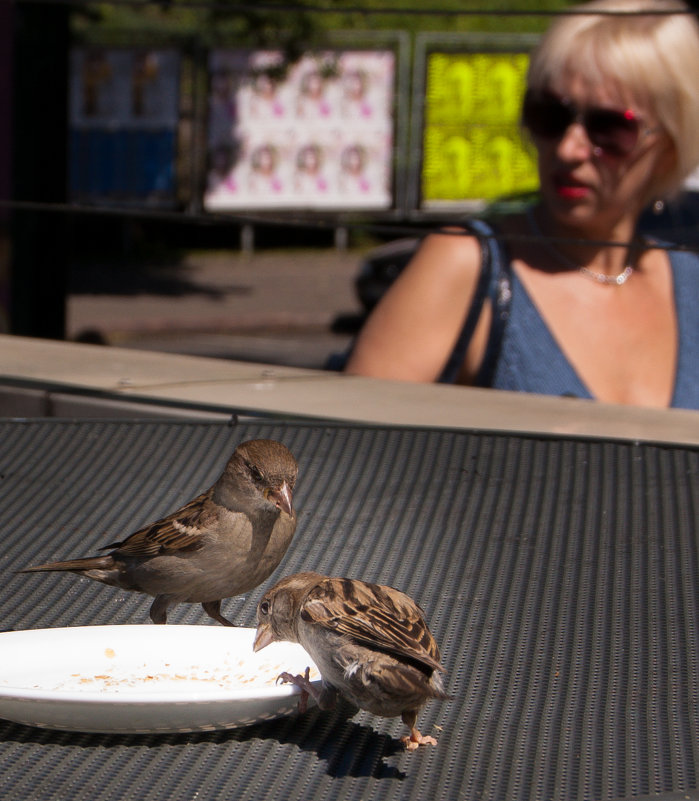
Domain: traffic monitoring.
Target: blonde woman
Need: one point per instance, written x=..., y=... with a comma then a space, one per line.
x=575, y=302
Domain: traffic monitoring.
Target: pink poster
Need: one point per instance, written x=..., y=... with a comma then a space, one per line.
x=316, y=136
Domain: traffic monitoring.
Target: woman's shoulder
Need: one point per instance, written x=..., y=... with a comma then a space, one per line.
x=454, y=251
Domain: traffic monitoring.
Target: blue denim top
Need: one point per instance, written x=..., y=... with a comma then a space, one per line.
x=525, y=357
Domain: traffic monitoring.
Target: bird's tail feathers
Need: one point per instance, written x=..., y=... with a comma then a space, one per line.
x=88, y=563
x=436, y=688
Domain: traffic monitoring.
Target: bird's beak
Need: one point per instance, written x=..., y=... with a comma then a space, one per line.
x=264, y=637
x=281, y=497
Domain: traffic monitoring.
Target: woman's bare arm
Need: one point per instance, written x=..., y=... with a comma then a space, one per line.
x=412, y=331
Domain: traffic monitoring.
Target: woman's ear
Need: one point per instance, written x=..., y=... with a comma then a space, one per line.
x=665, y=166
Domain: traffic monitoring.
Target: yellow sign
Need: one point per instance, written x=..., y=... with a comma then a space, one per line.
x=473, y=148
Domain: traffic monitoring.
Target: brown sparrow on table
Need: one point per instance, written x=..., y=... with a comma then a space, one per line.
x=224, y=542
x=370, y=643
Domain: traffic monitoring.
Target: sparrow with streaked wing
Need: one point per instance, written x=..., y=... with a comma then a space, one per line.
x=370, y=643
x=224, y=542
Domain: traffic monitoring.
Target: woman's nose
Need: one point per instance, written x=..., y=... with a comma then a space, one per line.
x=575, y=145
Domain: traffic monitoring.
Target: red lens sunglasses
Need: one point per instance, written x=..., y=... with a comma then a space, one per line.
x=612, y=133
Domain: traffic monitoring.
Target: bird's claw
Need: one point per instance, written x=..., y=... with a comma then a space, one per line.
x=287, y=678
x=414, y=740
x=302, y=682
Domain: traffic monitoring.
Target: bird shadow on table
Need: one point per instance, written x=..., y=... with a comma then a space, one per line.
x=349, y=748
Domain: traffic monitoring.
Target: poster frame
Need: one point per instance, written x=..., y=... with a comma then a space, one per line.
x=115, y=124
x=426, y=44
x=398, y=41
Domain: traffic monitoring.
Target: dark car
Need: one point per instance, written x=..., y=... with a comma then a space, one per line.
x=380, y=268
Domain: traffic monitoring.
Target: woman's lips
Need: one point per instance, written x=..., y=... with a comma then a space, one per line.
x=570, y=188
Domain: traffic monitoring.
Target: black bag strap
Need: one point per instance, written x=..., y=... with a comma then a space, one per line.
x=494, y=282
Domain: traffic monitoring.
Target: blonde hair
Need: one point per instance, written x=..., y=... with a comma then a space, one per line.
x=653, y=57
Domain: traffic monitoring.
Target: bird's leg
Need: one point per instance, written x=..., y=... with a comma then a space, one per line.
x=304, y=684
x=158, y=610
x=213, y=609
x=325, y=697
x=414, y=740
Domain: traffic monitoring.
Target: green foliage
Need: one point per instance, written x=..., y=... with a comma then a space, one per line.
x=301, y=24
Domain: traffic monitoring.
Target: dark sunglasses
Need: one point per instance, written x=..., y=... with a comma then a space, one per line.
x=613, y=133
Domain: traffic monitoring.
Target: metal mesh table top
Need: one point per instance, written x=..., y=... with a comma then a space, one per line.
x=559, y=576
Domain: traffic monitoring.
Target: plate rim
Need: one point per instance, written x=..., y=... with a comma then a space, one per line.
x=152, y=697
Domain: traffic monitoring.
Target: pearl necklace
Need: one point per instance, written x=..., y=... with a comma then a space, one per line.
x=600, y=278
x=608, y=280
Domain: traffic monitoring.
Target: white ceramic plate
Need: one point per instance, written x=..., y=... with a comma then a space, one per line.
x=145, y=678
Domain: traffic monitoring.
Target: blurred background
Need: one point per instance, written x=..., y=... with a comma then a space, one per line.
x=243, y=180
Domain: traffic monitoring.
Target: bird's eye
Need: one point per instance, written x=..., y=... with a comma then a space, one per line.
x=256, y=473
x=264, y=608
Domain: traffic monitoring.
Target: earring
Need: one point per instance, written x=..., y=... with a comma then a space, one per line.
x=658, y=206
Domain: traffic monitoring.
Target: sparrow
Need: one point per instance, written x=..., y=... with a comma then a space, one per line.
x=370, y=643
x=224, y=542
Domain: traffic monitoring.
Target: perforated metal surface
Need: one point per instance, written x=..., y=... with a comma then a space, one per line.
x=560, y=578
